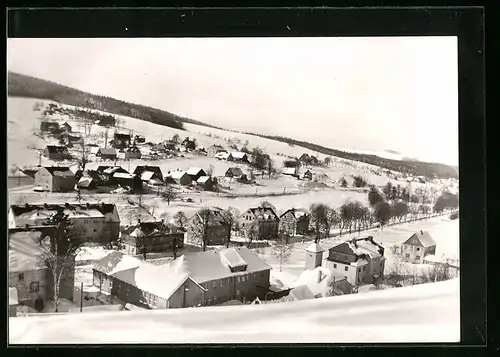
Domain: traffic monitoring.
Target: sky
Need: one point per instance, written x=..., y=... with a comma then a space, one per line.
x=372, y=93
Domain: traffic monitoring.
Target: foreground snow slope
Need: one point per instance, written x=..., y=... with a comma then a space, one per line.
x=422, y=313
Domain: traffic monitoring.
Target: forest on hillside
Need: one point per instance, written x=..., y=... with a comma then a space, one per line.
x=415, y=168
x=20, y=85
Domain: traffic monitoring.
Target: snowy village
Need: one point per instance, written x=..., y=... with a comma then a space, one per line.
x=122, y=214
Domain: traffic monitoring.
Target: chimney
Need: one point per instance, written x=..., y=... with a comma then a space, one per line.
x=421, y=232
x=45, y=205
x=138, y=221
x=27, y=205
x=27, y=225
x=88, y=205
x=319, y=276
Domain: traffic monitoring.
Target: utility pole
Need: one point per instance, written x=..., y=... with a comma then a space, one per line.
x=81, y=297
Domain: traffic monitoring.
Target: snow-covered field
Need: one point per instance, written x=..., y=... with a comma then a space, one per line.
x=422, y=313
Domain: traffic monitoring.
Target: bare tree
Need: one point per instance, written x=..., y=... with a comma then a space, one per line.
x=318, y=219
x=201, y=225
x=282, y=251
x=144, y=244
x=252, y=232
x=58, y=248
x=180, y=220
x=210, y=170
x=229, y=217
x=169, y=194
x=332, y=219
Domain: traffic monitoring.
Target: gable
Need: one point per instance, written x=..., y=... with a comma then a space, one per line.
x=414, y=241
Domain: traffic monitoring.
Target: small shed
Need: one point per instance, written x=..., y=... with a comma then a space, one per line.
x=106, y=153
x=206, y=182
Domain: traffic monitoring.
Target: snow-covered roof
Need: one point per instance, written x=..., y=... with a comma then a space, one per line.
x=123, y=175
x=301, y=292
x=289, y=171
x=359, y=263
x=222, y=155
x=13, y=296
x=194, y=171
x=309, y=278
x=434, y=259
x=423, y=237
x=24, y=251
x=177, y=174
x=315, y=248
x=208, y=265
x=232, y=258
x=238, y=154
x=114, y=262
x=147, y=175
x=203, y=179
x=365, y=247
x=112, y=169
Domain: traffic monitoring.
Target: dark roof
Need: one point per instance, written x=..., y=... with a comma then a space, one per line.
x=122, y=136
x=56, y=149
x=343, y=248
x=107, y=151
x=140, y=169
x=97, y=176
x=216, y=217
x=261, y=210
x=294, y=211
x=149, y=227
x=59, y=171
x=104, y=208
x=235, y=171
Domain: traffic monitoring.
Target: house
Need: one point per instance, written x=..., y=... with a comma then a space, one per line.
x=154, y=236
x=194, y=279
x=106, y=173
x=56, y=152
x=49, y=126
x=32, y=281
x=121, y=141
x=304, y=158
x=55, y=179
x=206, y=182
x=93, y=150
x=139, y=139
x=129, y=153
x=98, y=222
x=106, y=153
x=234, y=172
x=179, y=177
x=170, y=145
x=195, y=173
x=214, y=149
x=267, y=221
x=157, y=173
x=294, y=222
x=323, y=178
x=126, y=180
x=307, y=175
x=322, y=282
x=415, y=248
x=239, y=156
x=360, y=260
x=188, y=144
x=13, y=302
x=71, y=140
x=291, y=171
x=66, y=127
x=159, y=148
x=217, y=232
x=86, y=183
x=224, y=156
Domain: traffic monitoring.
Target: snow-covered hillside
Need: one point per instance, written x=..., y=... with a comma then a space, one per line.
x=23, y=123
x=421, y=313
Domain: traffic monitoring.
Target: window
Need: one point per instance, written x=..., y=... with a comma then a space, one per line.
x=222, y=282
x=237, y=279
x=34, y=286
x=214, y=284
x=407, y=256
x=154, y=300
x=346, y=268
x=418, y=249
x=418, y=257
x=364, y=268
x=20, y=276
x=335, y=266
